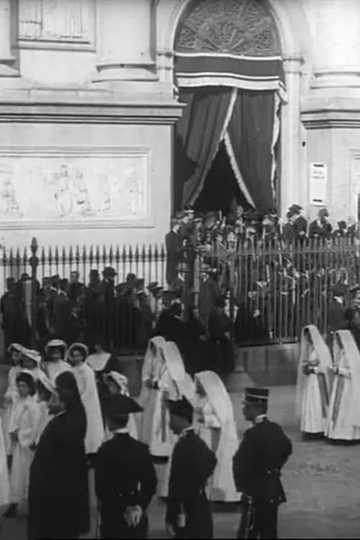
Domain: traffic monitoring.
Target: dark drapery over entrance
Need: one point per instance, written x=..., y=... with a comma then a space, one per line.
x=233, y=85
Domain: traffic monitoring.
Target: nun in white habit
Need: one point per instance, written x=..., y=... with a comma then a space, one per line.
x=313, y=383
x=163, y=377
x=214, y=422
x=344, y=410
x=86, y=382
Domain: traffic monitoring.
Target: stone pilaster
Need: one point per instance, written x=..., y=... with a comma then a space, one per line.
x=7, y=60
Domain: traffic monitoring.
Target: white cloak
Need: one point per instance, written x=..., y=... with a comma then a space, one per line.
x=313, y=389
x=24, y=420
x=86, y=382
x=214, y=422
x=4, y=476
x=344, y=409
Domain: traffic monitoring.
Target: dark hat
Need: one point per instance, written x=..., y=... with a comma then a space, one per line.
x=94, y=272
x=181, y=408
x=257, y=396
x=342, y=224
x=295, y=208
x=339, y=289
x=118, y=406
x=323, y=212
x=152, y=285
x=109, y=272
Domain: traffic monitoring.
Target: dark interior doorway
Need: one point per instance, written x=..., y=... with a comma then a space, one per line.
x=220, y=186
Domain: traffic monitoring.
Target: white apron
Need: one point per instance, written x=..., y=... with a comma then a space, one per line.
x=4, y=476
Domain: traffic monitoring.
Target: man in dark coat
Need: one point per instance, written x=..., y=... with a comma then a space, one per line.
x=62, y=316
x=125, y=478
x=76, y=289
x=257, y=468
x=321, y=227
x=336, y=319
x=174, y=246
x=58, y=491
x=188, y=512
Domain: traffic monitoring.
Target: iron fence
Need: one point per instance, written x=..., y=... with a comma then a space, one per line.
x=272, y=289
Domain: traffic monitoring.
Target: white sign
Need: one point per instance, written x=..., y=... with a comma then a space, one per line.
x=318, y=183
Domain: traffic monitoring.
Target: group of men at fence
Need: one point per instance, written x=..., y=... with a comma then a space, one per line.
x=70, y=412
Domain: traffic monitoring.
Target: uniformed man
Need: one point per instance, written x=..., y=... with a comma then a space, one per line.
x=125, y=478
x=257, y=468
x=188, y=509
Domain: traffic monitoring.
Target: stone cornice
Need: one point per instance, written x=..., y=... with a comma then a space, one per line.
x=90, y=112
x=331, y=114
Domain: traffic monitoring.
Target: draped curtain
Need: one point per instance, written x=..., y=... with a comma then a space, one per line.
x=235, y=102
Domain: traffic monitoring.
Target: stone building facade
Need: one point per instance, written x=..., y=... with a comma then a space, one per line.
x=88, y=105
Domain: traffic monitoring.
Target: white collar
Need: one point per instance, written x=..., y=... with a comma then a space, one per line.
x=260, y=418
x=121, y=431
x=186, y=430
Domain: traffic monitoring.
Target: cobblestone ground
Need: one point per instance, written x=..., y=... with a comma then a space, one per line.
x=322, y=483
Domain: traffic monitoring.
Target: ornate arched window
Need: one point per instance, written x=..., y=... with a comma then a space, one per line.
x=241, y=27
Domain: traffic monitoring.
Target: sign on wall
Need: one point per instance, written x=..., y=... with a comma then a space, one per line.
x=75, y=188
x=318, y=183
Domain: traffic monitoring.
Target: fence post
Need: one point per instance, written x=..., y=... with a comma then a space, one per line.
x=34, y=262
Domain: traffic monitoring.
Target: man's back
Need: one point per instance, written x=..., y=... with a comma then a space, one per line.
x=257, y=464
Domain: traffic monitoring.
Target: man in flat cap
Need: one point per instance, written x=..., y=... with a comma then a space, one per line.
x=188, y=510
x=257, y=468
x=321, y=227
x=125, y=478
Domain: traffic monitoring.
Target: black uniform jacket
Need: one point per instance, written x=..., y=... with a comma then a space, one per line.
x=192, y=464
x=124, y=476
x=257, y=464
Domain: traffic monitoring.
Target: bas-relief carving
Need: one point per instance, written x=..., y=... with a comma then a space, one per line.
x=43, y=188
x=55, y=20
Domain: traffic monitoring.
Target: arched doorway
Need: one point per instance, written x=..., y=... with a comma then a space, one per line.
x=228, y=70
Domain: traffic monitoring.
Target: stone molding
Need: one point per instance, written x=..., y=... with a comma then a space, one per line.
x=336, y=114
x=89, y=112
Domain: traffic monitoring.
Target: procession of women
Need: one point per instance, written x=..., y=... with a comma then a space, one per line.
x=31, y=389
x=328, y=387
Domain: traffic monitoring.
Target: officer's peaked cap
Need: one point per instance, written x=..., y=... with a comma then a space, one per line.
x=181, y=408
x=257, y=395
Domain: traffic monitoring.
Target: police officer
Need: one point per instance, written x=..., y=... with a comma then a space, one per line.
x=188, y=510
x=125, y=478
x=257, y=468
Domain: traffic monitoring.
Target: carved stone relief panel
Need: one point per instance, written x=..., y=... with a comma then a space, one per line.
x=48, y=188
x=243, y=27
x=57, y=21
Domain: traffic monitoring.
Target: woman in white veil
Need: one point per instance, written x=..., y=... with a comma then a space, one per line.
x=313, y=383
x=163, y=377
x=344, y=410
x=215, y=423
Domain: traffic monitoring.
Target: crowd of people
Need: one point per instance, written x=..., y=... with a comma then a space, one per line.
x=69, y=412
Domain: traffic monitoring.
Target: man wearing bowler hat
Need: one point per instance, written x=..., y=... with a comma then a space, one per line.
x=125, y=478
x=257, y=468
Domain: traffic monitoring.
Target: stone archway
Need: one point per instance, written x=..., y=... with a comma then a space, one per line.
x=232, y=34
x=242, y=27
